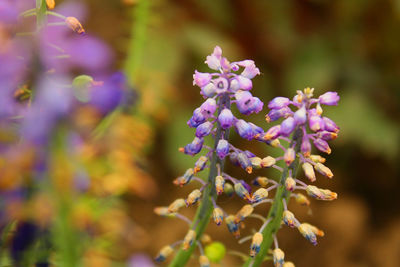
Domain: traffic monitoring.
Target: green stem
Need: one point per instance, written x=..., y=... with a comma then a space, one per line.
x=276, y=211
x=204, y=211
x=138, y=40
x=40, y=13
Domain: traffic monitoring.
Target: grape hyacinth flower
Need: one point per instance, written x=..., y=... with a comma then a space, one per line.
x=303, y=125
x=230, y=83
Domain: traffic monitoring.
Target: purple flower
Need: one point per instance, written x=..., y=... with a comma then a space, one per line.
x=330, y=125
x=222, y=149
x=278, y=102
x=244, y=129
x=204, y=129
x=316, y=123
x=214, y=60
x=300, y=116
x=226, y=118
x=208, y=107
x=287, y=126
x=244, y=83
x=250, y=69
x=194, y=147
x=322, y=145
x=276, y=114
x=329, y=98
x=201, y=79
x=196, y=119
x=208, y=90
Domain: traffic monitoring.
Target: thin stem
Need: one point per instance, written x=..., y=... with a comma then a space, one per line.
x=204, y=211
x=40, y=13
x=276, y=211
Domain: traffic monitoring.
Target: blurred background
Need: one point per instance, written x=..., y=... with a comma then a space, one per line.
x=347, y=46
x=352, y=47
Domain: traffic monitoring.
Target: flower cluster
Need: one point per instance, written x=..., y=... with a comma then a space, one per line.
x=299, y=129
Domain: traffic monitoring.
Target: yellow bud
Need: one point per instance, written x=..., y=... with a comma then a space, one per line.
x=50, y=4
x=245, y=211
x=204, y=261
x=317, y=158
x=302, y=199
x=290, y=183
x=278, y=256
x=319, y=109
x=267, y=162
x=176, y=205
x=309, y=171
x=288, y=264
x=275, y=143
x=321, y=168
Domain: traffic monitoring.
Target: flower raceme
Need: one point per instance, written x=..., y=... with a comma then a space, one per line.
x=302, y=126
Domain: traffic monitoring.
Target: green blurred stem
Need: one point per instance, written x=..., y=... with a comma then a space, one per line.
x=276, y=212
x=138, y=40
x=204, y=211
x=40, y=13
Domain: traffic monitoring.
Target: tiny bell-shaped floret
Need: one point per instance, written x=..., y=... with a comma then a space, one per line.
x=186, y=178
x=74, y=24
x=193, y=197
x=327, y=136
x=255, y=244
x=189, y=239
x=219, y=184
x=225, y=118
x=208, y=90
x=200, y=164
x=276, y=114
x=218, y=215
x=161, y=211
x=245, y=162
x=50, y=4
x=259, y=195
x=208, y=107
x=222, y=149
x=214, y=60
x=321, y=194
x=228, y=189
x=321, y=168
x=244, y=212
x=322, y=145
x=329, y=98
x=290, y=183
x=268, y=162
x=256, y=162
x=316, y=123
x=278, y=102
x=204, y=129
x=289, y=219
x=289, y=156
x=302, y=199
x=300, y=116
x=260, y=181
x=287, y=126
x=288, y=264
x=204, y=261
x=201, y=79
x=310, y=232
x=194, y=147
x=176, y=205
x=164, y=253
x=309, y=171
x=317, y=158
x=244, y=129
x=330, y=125
x=272, y=133
x=278, y=256
x=232, y=226
x=242, y=192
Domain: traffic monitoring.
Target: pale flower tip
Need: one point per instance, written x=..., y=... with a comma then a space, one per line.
x=249, y=170
x=181, y=149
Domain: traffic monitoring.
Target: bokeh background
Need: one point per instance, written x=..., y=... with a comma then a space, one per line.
x=352, y=47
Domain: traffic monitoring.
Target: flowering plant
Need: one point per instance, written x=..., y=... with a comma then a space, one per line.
x=214, y=117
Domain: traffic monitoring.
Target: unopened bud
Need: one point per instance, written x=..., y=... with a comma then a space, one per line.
x=267, y=162
x=289, y=156
x=260, y=181
x=189, y=239
x=322, y=169
x=219, y=184
x=164, y=253
x=75, y=25
x=290, y=183
x=176, y=205
x=255, y=244
x=289, y=219
x=193, y=197
x=245, y=211
x=302, y=199
x=309, y=171
x=204, y=261
x=50, y=4
x=321, y=194
x=259, y=195
x=278, y=257
x=218, y=216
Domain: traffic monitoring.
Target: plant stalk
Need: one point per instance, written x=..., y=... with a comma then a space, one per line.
x=276, y=211
x=204, y=211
